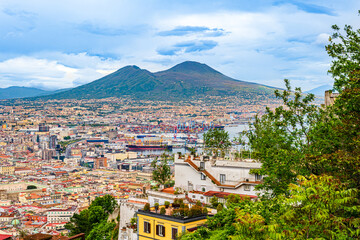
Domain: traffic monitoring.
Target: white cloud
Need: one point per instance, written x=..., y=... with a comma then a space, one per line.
x=264, y=43
x=68, y=70
x=322, y=39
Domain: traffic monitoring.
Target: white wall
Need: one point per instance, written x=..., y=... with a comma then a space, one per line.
x=235, y=172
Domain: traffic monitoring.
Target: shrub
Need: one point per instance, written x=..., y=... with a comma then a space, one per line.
x=214, y=202
x=195, y=211
x=162, y=211
x=219, y=207
x=167, y=204
x=205, y=210
x=180, y=212
x=177, y=202
x=147, y=207
x=156, y=206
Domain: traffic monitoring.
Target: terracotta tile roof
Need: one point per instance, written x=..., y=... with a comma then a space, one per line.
x=225, y=194
x=168, y=190
x=5, y=237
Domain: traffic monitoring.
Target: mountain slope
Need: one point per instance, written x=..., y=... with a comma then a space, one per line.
x=320, y=91
x=187, y=79
x=21, y=92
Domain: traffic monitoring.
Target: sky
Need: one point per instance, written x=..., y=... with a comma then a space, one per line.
x=62, y=44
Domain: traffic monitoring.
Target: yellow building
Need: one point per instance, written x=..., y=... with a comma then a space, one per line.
x=153, y=225
x=7, y=170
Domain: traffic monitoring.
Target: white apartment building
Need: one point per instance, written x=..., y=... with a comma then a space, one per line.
x=61, y=215
x=162, y=196
x=207, y=174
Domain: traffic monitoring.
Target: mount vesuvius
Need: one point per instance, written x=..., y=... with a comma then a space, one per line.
x=185, y=80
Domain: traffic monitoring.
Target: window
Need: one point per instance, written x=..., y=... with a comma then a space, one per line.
x=203, y=177
x=258, y=177
x=202, y=165
x=222, y=178
x=174, y=233
x=247, y=187
x=160, y=230
x=147, y=227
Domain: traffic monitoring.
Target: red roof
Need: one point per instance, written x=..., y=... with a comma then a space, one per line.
x=169, y=190
x=5, y=237
x=225, y=194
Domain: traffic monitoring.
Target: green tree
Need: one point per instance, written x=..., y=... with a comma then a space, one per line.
x=88, y=219
x=219, y=207
x=96, y=215
x=214, y=202
x=322, y=145
x=344, y=48
x=162, y=171
x=31, y=187
x=107, y=202
x=216, y=140
x=192, y=151
x=79, y=223
x=344, y=161
x=320, y=207
x=282, y=139
x=102, y=231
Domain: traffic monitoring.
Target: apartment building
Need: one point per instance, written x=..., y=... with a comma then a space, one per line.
x=61, y=215
x=205, y=174
x=7, y=169
x=153, y=225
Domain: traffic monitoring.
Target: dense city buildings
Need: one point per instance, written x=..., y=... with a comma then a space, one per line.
x=57, y=156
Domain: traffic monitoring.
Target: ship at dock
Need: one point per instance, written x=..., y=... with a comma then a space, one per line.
x=149, y=147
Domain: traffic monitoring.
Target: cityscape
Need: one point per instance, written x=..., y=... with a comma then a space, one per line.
x=180, y=146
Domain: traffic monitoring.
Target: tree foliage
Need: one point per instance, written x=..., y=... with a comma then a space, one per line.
x=162, y=171
x=344, y=48
x=320, y=207
x=310, y=159
x=89, y=219
x=216, y=140
x=103, y=231
x=107, y=202
x=283, y=138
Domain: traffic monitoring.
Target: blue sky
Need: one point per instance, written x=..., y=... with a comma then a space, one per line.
x=61, y=44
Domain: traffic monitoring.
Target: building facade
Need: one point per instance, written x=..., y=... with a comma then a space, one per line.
x=203, y=175
x=61, y=215
x=156, y=226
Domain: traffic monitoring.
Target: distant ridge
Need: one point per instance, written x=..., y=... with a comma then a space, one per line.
x=21, y=92
x=185, y=80
x=26, y=92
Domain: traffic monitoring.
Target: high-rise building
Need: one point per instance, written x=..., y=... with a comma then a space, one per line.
x=43, y=127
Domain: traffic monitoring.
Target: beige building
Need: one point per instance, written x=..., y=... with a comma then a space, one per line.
x=121, y=156
x=7, y=170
